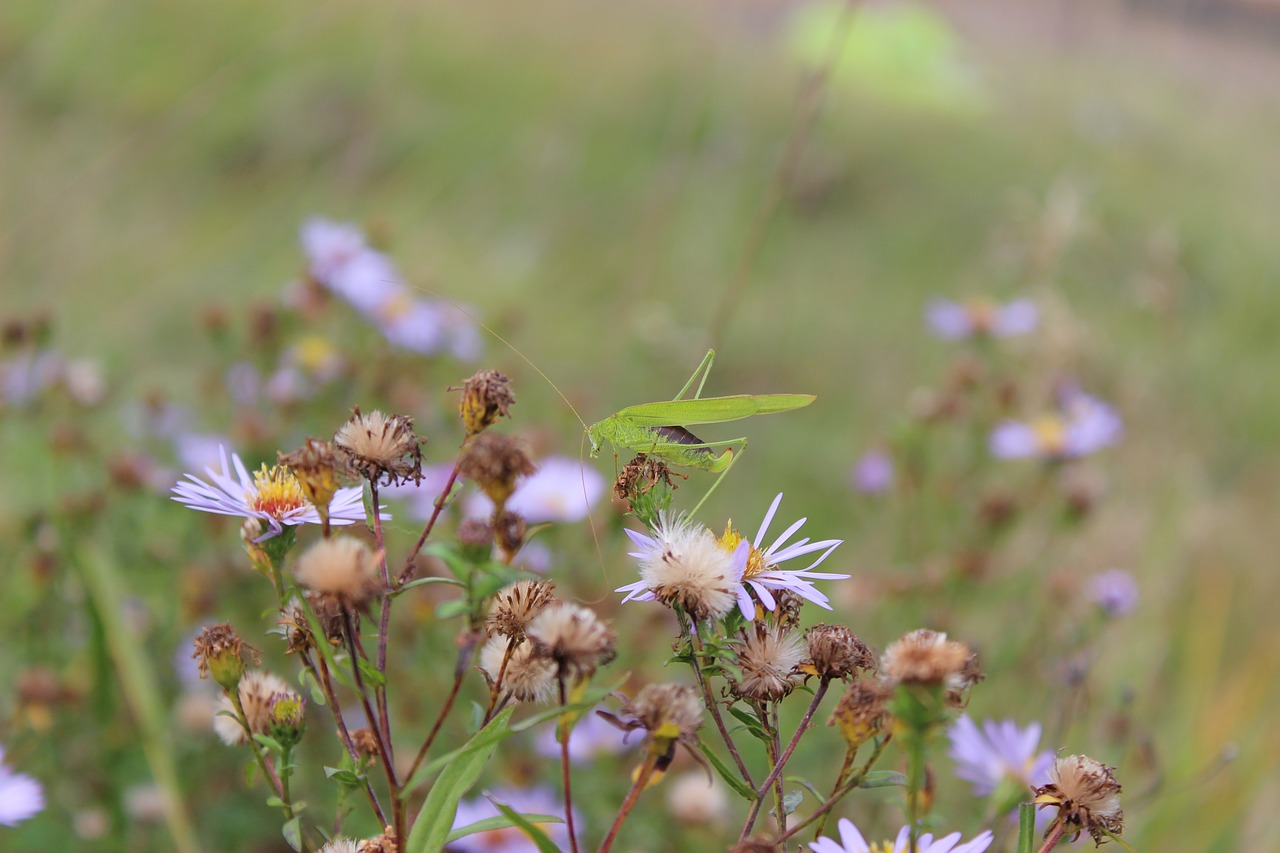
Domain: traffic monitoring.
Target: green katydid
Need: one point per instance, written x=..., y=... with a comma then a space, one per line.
x=661, y=429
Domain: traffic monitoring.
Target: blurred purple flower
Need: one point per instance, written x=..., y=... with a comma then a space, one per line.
x=851, y=841
x=1082, y=425
x=329, y=246
x=591, y=738
x=873, y=473
x=510, y=839
x=1115, y=592
x=997, y=752
x=561, y=490
x=952, y=320
x=29, y=374
x=21, y=796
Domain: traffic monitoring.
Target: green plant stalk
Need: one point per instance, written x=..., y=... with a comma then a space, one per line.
x=839, y=793
x=640, y=783
x=139, y=690
x=709, y=700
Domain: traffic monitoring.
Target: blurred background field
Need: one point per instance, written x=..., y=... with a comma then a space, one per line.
x=589, y=180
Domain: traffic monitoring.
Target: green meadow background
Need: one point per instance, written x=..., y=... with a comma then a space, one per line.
x=590, y=179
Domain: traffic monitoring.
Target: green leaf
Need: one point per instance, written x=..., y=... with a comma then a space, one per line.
x=269, y=742
x=545, y=844
x=450, y=609
x=424, y=581
x=751, y=722
x=729, y=776
x=292, y=832
x=370, y=673
x=345, y=777
x=435, y=818
x=883, y=779
x=501, y=822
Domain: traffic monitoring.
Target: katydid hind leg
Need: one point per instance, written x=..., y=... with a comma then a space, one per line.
x=705, y=369
x=732, y=461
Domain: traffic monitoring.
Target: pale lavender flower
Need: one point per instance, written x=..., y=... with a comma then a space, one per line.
x=330, y=245
x=998, y=752
x=369, y=281
x=591, y=738
x=28, y=375
x=1115, y=592
x=411, y=323
x=198, y=451
x=21, y=796
x=271, y=495
x=873, y=473
x=561, y=490
x=1081, y=425
x=511, y=839
x=851, y=841
x=952, y=320
x=763, y=575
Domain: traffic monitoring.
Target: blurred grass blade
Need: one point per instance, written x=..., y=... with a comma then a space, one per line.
x=138, y=689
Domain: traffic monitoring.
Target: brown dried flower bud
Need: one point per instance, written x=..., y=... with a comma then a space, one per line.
x=574, y=637
x=318, y=469
x=366, y=744
x=493, y=462
x=295, y=627
x=835, y=652
x=767, y=661
x=1087, y=797
x=384, y=843
x=486, y=397
x=381, y=447
x=515, y=606
x=669, y=711
x=475, y=533
x=509, y=533
x=861, y=713
x=220, y=653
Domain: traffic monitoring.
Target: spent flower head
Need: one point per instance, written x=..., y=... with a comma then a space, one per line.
x=835, y=652
x=516, y=671
x=486, y=396
x=319, y=471
x=862, y=712
x=572, y=636
x=495, y=462
x=515, y=606
x=222, y=655
x=1087, y=797
x=381, y=447
x=256, y=690
x=851, y=841
x=340, y=572
x=271, y=496
x=683, y=565
x=768, y=662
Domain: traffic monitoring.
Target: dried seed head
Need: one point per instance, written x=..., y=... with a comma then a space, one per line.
x=494, y=462
x=256, y=690
x=526, y=676
x=787, y=611
x=767, y=660
x=572, y=636
x=835, y=652
x=928, y=658
x=381, y=447
x=861, y=713
x=220, y=653
x=486, y=397
x=295, y=627
x=340, y=572
x=1086, y=795
x=670, y=711
x=690, y=570
x=366, y=744
x=384, y=843
x=515, y=606
x=645, y=485
x=341, y=845
x=318, y=469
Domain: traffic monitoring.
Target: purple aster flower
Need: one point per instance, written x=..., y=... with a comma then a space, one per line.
x=21, y=796
x=329, y=246
x=561, y=490
x=271, y=495
x=764, y=575
x=952, y=320
x=196, y=451
x=998, y=752
x=851, y=841
x=368, y=281
x=29, y=374
x=1081, y=425
x=1115, y=592
x=873, y=473
x=510, y=839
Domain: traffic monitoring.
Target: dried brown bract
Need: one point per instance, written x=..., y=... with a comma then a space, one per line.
x=486, y=397
x=862, y=712
x=381, y=447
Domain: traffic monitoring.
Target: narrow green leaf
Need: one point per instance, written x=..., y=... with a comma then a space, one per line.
x=424, y=581
x=292, y=832
x=729, y=776
x=883, y=779
x=1026, y=827
x=435, y=818
x=536, y=835
x=450, y=609
x=346, y=777
x=501, y=822
x=370, y=673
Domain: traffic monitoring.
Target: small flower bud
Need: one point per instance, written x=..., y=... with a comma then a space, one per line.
x=286, y=718
x=486, y=397
x=222, y=655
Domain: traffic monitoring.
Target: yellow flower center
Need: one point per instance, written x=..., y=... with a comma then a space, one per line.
x=314, y=352
x=756, y=562
x=275, y=492
x=1051, y=434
